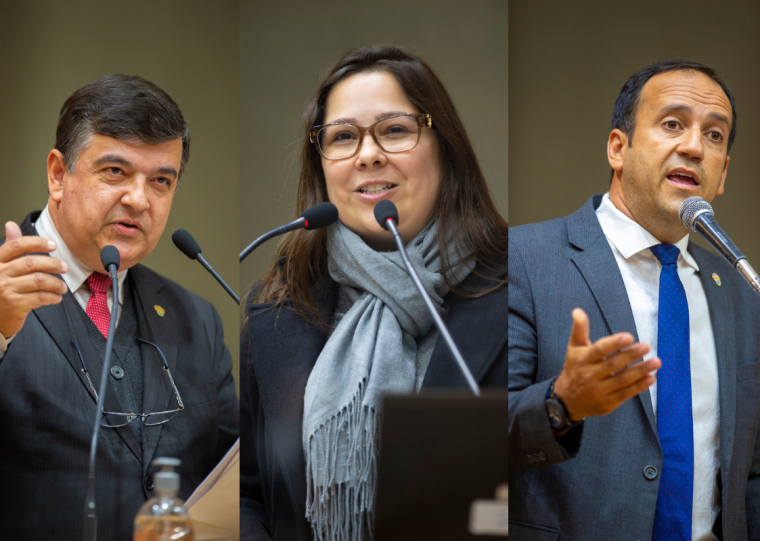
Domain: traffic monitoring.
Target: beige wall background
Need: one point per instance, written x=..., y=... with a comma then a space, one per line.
x=286, y=46
x=189, y=48
x=567, y=63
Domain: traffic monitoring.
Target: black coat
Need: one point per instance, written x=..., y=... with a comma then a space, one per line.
x=278, y=352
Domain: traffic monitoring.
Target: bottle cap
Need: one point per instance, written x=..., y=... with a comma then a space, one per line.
x=167, y=480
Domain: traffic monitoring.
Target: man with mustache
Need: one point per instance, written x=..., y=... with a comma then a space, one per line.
x=121, y=147
x=638, y=418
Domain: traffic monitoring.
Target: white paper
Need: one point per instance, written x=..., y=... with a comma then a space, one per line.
x=215, y=504
x=489, y=517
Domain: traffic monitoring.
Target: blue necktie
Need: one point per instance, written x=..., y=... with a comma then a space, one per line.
x=672, y=519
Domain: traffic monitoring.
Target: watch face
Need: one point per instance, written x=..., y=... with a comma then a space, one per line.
x=556, y=413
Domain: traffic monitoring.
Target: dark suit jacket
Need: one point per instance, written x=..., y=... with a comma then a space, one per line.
x=277, y=356
x=592, y=485
x=47, y=411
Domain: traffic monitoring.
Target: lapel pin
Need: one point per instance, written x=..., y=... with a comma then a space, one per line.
x=161, y=312
x=716, y=278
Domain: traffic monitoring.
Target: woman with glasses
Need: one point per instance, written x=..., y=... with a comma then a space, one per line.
x=336, y=322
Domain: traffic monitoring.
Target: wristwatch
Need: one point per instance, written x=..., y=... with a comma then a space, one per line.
x=559, y=418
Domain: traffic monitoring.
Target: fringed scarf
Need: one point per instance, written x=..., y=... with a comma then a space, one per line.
x=372, y=351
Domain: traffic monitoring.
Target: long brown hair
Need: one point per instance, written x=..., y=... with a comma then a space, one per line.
x=464, y=206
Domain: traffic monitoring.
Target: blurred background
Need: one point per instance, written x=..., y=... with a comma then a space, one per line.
x=187, y=47
x=567, y=62
x=285, y=47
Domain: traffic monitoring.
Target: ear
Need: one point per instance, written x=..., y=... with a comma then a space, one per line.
x=56, y=173
x=616, y=147
x=723, y=176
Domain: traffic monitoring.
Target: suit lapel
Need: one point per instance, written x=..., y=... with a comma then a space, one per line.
x=56, y=322
x=479, y=339
x=158, y=394
x=600, y=270
x=722, y=321
x=284, y=349
x=27, y=227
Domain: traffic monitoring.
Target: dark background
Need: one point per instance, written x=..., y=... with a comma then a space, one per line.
x=567, y=62
x=285, y=47
x=189, y=48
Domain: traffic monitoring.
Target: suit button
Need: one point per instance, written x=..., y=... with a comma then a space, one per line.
x=650, y=472
x=541, y=456
x=117, y=372
x=529, y=458
x=149, y=482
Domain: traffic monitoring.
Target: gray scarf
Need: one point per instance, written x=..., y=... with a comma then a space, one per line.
x=371, y=352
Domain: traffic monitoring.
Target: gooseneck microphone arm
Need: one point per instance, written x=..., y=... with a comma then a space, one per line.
x=388, y=222
x=318, y=216
x=697, y=215
x=110, y=258
x=208, y=267
x=707, y=226
x=183, y=240
x=292, y=226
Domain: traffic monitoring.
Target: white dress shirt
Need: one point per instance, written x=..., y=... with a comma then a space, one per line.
x=76, y=274
x=641, y=275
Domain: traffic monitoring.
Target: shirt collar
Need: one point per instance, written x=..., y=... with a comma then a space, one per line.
x=77, y=272
x=630, y=238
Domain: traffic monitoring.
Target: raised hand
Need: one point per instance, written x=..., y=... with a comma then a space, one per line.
x=597, y=377
x=26, y=281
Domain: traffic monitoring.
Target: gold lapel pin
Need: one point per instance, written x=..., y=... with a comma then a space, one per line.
x=161, y=312
x=716, y=278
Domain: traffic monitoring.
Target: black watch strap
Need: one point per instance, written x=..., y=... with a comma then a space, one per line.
x=559, y=418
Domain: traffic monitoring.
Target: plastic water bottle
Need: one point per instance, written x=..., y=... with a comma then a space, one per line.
x=164, y=517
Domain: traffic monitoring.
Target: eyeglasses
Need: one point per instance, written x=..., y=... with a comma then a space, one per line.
x=113, y=419
x=397, y=133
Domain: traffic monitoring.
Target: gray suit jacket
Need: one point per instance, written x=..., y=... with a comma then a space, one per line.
x=47, y=411
x=592, y=485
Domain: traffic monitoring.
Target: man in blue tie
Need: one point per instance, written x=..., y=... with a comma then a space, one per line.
x=638, y=418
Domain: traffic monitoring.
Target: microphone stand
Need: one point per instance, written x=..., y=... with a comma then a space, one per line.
x=292, y=226
x=391, y=225
x=316, y=217
x=90, y=520
x=208, y=267
x=706, y=225
x=697, y=215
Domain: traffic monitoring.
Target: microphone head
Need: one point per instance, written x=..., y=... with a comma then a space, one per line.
x=690, y=209
x=320, y=215
x=186, y=243
x=384, y=211
x=109, y=255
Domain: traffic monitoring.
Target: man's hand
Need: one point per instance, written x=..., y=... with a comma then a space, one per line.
x=26, y=282
x=595, y=380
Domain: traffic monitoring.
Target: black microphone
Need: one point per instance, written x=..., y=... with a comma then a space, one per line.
x=316, y=217
x=187, y=245
x=387, y=216
x=697, y=215
x=109, y=257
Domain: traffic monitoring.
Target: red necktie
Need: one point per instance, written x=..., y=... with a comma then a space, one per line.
x=97, y=306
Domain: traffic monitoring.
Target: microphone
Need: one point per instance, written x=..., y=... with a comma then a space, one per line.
x=387, y=216
x=187, y=245
x=109, y=257
x=316, y=217
x=697, y=215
